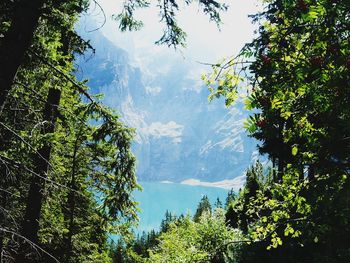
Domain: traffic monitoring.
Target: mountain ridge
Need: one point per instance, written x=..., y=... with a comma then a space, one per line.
x=179, y=134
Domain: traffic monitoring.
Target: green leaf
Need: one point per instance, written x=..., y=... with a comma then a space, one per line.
x=294, y=150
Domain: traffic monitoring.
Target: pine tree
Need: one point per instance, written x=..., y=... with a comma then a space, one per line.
x=218, y=203
x=204, y=206
x=67, y=172
x=231, y=197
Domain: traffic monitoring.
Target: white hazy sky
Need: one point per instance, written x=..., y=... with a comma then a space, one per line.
x=205, y=42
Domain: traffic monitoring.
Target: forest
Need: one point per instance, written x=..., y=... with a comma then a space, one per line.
x=68, y=172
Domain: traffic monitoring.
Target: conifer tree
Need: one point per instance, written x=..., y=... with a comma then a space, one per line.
x=204, y=206
x=67, y=172
x=231, y=197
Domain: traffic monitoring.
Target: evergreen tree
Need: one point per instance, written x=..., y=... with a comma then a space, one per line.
x=237, y=215
x=218, y=203
x=299, y=73
x=231, y=217
x=45, y=131
x=299, y=84
x=231, y=197
x=169, y=218
x=204, y=206
x=67, y=172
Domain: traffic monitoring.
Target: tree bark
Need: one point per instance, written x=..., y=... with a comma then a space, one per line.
x=2, y=221
x=72, y=203
x=30, y=224
x=280, y=169
x=301, y=172
x=311, y=174
x=16, y=42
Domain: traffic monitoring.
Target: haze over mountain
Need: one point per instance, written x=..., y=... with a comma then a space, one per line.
x=179, y=134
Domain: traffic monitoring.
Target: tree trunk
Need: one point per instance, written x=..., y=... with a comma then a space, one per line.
x=2, y=222
x=16, y=42
x=311, y=174
x=280, y=169
x=71, y=203
x=301, y=172
x=30, y=224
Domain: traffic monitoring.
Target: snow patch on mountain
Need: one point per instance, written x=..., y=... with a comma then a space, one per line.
x=234, y=184
x=170, y=129
x=153, y=90
x=179, y=135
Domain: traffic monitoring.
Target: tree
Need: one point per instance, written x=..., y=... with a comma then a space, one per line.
x=231, y=197
x=169, y=218
x=18, y=36
x=16, y=41
x=237, y=215
x=298, y=70
x=218, y=203
x=297, y=73
x=204, y=241
x=204, y=206
x=231, y=216
x=45, y=128
x=39, y=151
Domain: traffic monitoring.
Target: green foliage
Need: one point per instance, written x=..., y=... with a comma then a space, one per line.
x=204, y=206
x=298, y=77
x=231, y=197
x=239, y=213
x=218, y=203
x=173, y=34
x=169, y=218
x=189, y=241
x=89, y=175
x=65, y=158
x=297, y=74
x=289, y=218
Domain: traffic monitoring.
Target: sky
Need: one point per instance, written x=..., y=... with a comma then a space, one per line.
x=205, y=42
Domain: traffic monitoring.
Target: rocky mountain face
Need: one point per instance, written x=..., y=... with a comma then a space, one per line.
x=179, y=134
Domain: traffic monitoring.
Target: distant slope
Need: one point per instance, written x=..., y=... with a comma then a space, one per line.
x=179, y=134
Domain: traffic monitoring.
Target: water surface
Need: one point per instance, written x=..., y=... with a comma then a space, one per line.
x=179, y=199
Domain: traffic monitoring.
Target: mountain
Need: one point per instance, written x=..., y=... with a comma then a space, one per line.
x=179, y=134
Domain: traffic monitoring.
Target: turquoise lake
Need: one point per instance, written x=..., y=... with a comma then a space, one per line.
x=179, y=199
